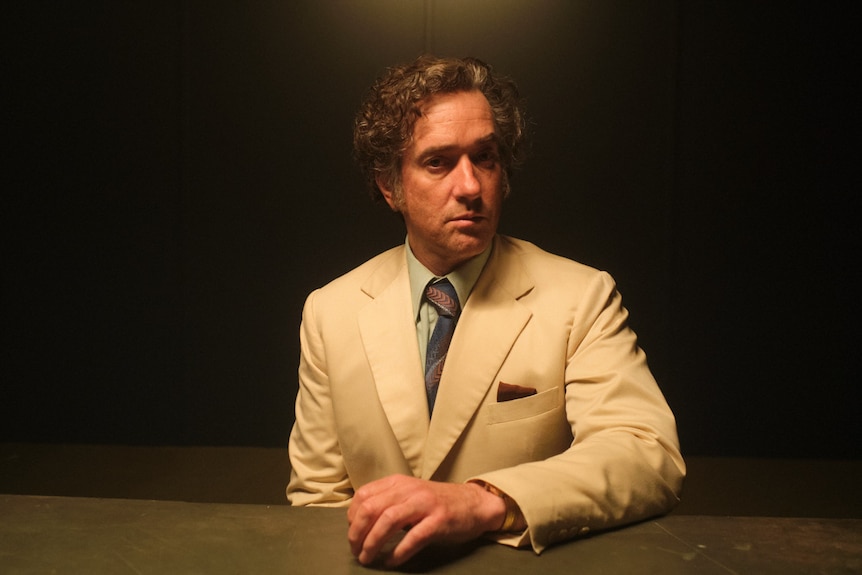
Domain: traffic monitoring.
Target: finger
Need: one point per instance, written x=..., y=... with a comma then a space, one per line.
x=390, y=526
x=415, y=540
x=369, y=491
x=365, y=517
x=368, y=503
x=389, y=495
x=380, y=516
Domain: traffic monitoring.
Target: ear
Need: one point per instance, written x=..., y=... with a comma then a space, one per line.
x=388, y=193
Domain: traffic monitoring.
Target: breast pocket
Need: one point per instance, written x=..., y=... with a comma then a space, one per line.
x=523, y=408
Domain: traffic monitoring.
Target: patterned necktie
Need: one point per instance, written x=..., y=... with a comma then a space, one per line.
x=444, y=299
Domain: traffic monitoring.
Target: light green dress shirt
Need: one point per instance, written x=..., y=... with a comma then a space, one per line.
x=463, y=279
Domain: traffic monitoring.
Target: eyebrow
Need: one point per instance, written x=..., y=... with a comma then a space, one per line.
x=491, y=138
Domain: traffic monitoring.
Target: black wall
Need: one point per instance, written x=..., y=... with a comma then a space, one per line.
x=178, y=178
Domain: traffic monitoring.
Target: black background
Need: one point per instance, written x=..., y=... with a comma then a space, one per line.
x=178, y=178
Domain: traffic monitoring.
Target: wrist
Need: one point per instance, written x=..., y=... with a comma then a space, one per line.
x=512, y=518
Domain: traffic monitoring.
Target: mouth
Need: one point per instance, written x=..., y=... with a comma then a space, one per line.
x=474, y=218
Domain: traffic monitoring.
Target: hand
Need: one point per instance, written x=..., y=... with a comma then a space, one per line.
x=429, y=512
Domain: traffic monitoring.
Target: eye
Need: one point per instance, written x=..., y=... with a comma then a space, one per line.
x=486, y=158
x=436, y=164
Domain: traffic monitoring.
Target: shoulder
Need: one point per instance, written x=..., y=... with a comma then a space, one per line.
x=382, y=268
x=553, y=284
x=538, y=276
x=540, y=264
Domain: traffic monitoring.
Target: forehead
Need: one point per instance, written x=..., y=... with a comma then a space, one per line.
x=459, y=117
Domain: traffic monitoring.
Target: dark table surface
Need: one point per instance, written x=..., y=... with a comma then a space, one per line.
x=93, y=536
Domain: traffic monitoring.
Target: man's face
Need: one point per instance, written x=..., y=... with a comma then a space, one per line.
x=451, y=191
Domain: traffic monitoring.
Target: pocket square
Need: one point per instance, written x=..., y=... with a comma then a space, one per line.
x=508, y=392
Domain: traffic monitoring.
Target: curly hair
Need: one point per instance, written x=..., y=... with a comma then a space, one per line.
x=383, y=127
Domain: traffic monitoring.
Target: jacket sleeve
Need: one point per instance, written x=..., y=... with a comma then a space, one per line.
x=624, y=463
x=318, y=475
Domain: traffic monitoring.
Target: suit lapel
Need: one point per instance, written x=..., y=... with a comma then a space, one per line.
x=489, y=325
x=389, y=337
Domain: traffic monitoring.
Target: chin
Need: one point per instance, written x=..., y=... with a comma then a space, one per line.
x=470, y=246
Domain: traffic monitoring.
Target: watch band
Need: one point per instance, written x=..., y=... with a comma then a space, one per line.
x=512, y=511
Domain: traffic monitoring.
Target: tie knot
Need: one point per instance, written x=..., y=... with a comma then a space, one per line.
x=443, y=297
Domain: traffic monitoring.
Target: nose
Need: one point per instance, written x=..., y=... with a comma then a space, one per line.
x=466, y=184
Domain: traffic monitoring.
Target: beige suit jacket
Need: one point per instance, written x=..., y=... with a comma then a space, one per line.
x=595, y=447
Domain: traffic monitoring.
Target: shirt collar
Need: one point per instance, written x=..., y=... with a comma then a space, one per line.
x=463, y=278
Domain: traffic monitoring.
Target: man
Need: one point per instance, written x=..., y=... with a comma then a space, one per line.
x=544, y=423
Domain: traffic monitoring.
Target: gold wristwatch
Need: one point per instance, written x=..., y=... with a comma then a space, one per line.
x=513, y=512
